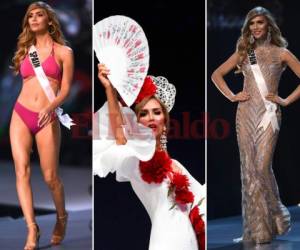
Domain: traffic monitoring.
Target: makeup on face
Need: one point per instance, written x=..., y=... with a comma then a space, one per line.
x=152, y=116
x=38, y=20
x=258, y=27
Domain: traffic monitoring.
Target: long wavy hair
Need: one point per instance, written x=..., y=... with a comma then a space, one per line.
x=243, y=44
x=27, y=37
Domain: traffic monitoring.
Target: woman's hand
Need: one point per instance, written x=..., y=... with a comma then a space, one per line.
x=240, y=97
x=45, y=116
x=102, y=75
x=276, y=99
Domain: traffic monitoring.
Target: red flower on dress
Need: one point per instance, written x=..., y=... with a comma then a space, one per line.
x=148, y=89
x=199, y=226
x=157, y=168
x=180, y=184
x=184, y=196
x=180, y=181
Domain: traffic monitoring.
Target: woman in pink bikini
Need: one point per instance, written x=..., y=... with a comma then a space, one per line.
x=36, y=117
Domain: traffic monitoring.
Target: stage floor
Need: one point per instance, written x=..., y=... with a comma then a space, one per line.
x=221, y=233
x=77, y=182
x=78, y=236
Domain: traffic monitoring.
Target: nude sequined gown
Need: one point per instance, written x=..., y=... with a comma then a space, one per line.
x=264, y=216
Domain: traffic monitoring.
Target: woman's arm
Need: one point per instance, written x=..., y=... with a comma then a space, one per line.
x=67, y=77
x=115, y=114
x=218, y=79
x=294, y=64
x=66, y=55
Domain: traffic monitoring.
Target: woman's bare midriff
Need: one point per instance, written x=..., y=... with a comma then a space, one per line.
x=32, y=95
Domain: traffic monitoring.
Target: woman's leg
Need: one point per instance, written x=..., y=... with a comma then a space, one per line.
x=48, y=144
x=21, y=144
x=276, y=214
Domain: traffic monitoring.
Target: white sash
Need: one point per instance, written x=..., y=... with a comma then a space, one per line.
x=65, y=119
x=270, y=114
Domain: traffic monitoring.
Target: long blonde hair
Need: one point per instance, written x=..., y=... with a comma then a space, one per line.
x=27, y=38
x=243, y=44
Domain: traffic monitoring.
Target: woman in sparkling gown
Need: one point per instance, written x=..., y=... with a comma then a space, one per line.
x=261, y=56
x=171, y=196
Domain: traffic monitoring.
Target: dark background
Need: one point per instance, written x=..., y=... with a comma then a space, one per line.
x=175, y=33
x=225, y=19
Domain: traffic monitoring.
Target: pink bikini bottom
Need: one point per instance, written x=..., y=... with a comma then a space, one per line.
x=30, y=118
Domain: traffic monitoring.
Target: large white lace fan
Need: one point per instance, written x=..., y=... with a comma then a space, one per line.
x=120, y=43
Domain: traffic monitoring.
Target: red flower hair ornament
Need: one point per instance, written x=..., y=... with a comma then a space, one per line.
x=160, y=88
x=148, y=89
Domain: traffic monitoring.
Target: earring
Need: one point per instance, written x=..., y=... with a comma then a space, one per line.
x=251, y=39
x=163, y=140
x=51, y=30
x=269, y=35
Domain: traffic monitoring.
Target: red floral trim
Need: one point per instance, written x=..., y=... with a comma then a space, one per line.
x=199, y=226
x=180, y=185
x=160, y=167
x=157, y=168
x=148, y=89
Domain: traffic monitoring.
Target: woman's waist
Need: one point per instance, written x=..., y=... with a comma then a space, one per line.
x=257, y=104
x=167, y=209
x=34, y=101
x=252, y=88
x=155, y=199
x=252, y=111
x=33, y=96
x=32, y=84
x=171, y=217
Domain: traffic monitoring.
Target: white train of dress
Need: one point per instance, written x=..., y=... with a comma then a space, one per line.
x=171, y=229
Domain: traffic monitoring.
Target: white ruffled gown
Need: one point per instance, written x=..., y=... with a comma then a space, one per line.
x=171, y=229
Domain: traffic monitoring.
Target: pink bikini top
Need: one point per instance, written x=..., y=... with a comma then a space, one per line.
x=49, y=65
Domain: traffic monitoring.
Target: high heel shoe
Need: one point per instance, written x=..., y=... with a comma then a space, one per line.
x=59, y=231
x=33, y=245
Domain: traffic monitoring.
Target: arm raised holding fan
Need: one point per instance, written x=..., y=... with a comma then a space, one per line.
x=115, y=114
